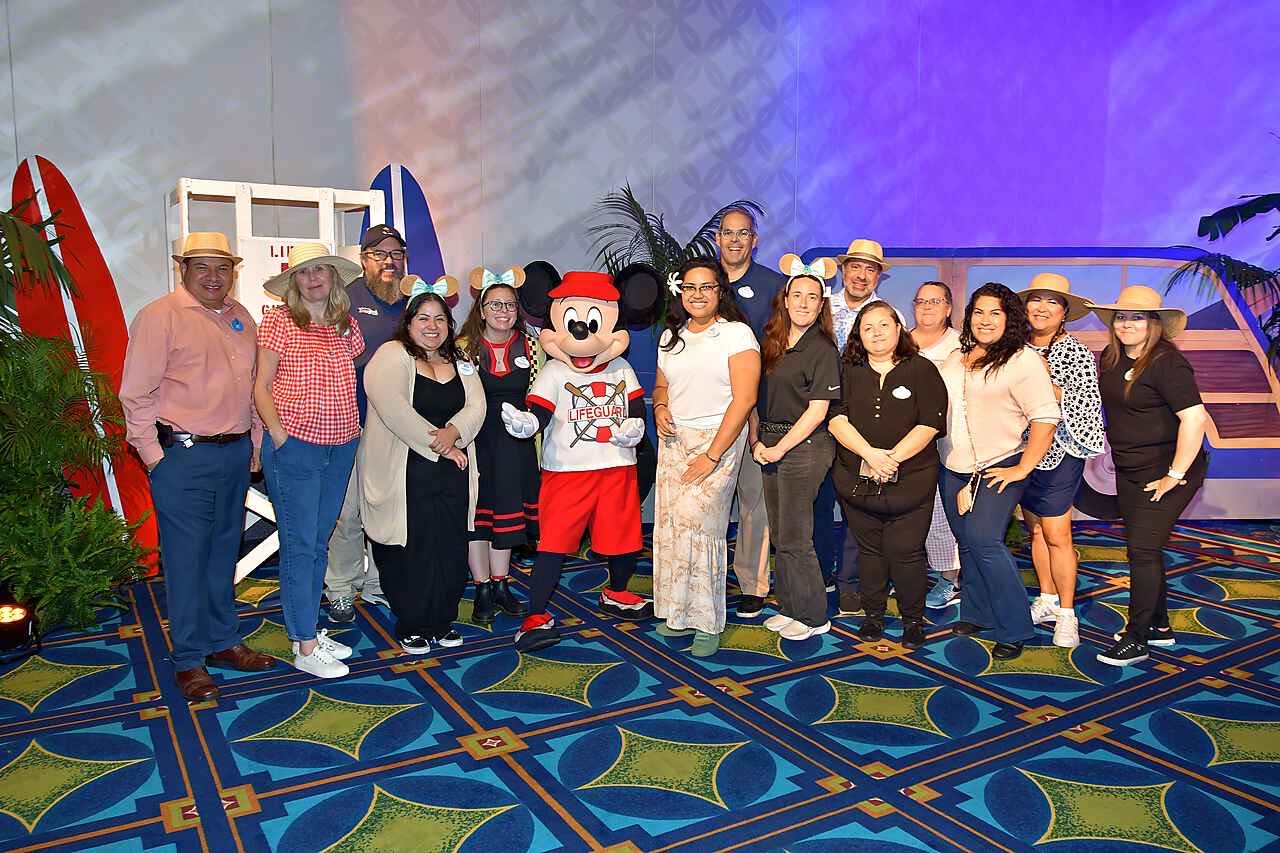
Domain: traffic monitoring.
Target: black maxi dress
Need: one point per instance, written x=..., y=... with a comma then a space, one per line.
x=424, y=578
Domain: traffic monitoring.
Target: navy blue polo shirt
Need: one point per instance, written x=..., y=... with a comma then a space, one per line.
x=754, y=294
x=378, y=322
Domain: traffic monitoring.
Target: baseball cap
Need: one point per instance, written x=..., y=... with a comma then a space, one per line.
x=377, y=233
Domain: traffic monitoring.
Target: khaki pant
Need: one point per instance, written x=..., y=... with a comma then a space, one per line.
x=349, y=554
x=751, y=549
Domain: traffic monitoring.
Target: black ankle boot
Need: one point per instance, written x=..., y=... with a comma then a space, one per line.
x=506, y=599
x=483, y=609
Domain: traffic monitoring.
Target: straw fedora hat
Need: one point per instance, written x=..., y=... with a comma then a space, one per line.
x=309, y=255
x=1051, y=282
x=1139, y=297
x=206, y=244
x=864, y=250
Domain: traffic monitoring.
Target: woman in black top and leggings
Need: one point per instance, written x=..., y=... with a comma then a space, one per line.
x=892, y=409
x=1155, y=426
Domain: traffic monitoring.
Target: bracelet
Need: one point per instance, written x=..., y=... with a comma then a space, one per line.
x=714, y=460
x=1177, y=475
x=656, y=405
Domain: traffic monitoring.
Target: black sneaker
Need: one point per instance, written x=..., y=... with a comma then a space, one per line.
x=913, y=635
x=850, y=603
x=1157, y=635
x=450, y=640
x=415, y=644
x=872, y=628
x=1126, y=652
x=749, y=606
x=342, y=609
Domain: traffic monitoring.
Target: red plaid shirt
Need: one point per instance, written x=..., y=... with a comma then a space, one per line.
x=315, y=386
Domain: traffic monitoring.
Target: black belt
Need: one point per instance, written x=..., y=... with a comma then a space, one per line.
x=169, y=436
x=775, y=427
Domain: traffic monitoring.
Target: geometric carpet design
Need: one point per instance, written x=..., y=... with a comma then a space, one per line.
x=618, y=739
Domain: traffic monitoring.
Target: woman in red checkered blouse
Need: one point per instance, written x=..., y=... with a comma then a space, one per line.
x=306, y=394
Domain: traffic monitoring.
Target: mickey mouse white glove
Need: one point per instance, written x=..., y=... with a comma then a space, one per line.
x=519, y=424
x=629, y=433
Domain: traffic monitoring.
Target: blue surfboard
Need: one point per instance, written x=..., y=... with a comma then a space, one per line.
x=406, y=210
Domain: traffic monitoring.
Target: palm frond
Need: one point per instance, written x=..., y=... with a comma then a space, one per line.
x=706, y=233
x=27, y=260
x=1220, y=223
x=1257, y=284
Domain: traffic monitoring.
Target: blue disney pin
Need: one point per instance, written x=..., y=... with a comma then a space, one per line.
x=236, y=325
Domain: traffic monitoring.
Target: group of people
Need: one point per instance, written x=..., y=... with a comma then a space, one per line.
x=400, y=453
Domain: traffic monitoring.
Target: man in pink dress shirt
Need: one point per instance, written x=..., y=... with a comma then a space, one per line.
x=187, y=394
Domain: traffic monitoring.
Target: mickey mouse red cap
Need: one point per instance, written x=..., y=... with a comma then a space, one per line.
x=586, y=285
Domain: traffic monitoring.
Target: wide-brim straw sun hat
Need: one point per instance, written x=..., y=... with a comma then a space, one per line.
x=864, y=250
x=206, y=244
x=310, y=255
x=1052, y=282
x=1139, y=297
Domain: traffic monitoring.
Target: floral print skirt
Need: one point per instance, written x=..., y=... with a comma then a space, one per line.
x=690, y=559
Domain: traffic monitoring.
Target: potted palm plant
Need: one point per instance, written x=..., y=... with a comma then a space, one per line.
x=61, y=556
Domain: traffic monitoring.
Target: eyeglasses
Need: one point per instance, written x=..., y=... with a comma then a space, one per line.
x=741, y=233
x=496, y=305
x=699, y=289
x=930, y=302
x=379, y=255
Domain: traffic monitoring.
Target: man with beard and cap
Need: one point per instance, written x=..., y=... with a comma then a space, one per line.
x=377, y=304
x=754, y=287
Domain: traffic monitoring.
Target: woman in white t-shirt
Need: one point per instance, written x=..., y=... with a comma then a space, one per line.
x=708, y=374
x=937, y=339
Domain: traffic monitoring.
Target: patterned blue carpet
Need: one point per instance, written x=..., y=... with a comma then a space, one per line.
x=619, y=739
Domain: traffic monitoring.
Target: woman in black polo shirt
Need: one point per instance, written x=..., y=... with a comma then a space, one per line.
x=892, y=409
x=1155, y=426
x=801, y=378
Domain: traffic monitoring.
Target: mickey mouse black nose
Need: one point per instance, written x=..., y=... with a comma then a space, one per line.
x=578, y=329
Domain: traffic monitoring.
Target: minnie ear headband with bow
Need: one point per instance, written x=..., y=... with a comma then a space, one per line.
x=413, y=286
x=481, y=279
x=822, y=269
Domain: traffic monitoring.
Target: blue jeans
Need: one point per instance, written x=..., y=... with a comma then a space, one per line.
x=307, y=483
x=994, y=595
x=199, y=497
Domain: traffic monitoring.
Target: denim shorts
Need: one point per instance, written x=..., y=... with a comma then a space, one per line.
x=1051, y=493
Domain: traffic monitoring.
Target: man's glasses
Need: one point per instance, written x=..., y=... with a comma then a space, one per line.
x=496, y=305
x=379, y=255
x=741, y=233
x=699, y=289
x=930, y=302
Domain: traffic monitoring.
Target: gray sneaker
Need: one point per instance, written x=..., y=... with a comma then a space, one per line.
x=342, y=608
x=944, y=594
x=374, y=597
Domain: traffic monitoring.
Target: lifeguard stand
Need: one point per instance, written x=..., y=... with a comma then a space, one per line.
x=265, y=256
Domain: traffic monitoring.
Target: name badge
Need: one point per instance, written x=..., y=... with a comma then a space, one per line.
x=236, y=325
x=364, y=309
x=466, y=368
x=746, y=292
x=901, y=392
x=521, y=362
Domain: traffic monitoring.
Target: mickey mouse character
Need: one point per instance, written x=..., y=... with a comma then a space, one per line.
x=590, y=406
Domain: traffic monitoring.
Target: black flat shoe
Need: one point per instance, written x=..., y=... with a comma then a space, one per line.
x=913, y=635
x=1006, y=651
x=965, y=629
x=872, y=628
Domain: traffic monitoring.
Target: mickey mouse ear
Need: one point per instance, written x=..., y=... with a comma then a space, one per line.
x=540, y=278
x=641, y=292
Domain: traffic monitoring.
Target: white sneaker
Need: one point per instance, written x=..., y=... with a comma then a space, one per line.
x=1066, y=634
x=320, y=663
x=800, y=631
x=777, y=622
x=337, y=650
x=1043, y=612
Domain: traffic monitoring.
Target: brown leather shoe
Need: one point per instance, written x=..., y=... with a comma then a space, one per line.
x=196, y=685
x=241, y=657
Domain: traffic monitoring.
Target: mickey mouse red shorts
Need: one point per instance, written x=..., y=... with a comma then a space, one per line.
x=607, y=501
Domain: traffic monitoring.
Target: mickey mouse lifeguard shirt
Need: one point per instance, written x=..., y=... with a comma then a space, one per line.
x=586, y=409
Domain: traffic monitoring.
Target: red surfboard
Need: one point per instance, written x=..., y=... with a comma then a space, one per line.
x=94, y=322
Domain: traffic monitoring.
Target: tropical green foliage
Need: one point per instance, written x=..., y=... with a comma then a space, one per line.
x=1259, y=286
x=630, y=234
x=58, y=554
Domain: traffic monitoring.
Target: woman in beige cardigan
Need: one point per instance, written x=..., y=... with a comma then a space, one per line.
x=417, y=464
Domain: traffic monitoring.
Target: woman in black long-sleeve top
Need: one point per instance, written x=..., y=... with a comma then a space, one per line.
x=892, y=410
x=1155, y=426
